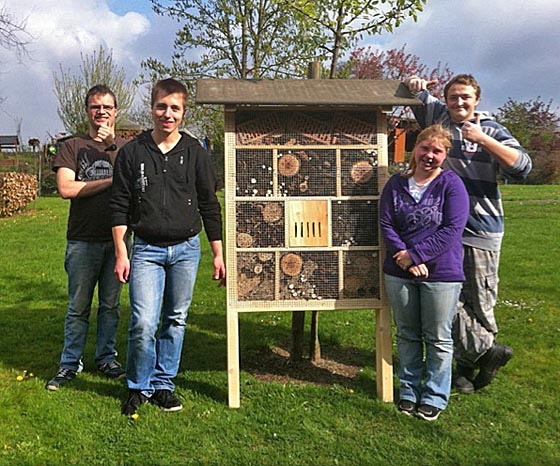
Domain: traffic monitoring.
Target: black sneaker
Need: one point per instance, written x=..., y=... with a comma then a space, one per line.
x=496, y=357
x=62, y=377
x=166, y=400
x=133, y=402
x=407, y=407
x=113, y=370
x=428, y=412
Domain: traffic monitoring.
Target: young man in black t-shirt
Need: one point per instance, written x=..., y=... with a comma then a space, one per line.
x=84, y=174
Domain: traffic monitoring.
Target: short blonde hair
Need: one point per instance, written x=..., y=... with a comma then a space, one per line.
x=433, y=133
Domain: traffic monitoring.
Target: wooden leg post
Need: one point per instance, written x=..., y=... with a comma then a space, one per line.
x=233, y=358
x=384, y=362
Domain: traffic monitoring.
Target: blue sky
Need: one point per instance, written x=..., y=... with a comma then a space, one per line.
x=511, y=46
x=121, y=7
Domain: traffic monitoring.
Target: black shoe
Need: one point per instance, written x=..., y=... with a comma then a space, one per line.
x=62, y=377
x=407, y=407
x=133, y=402
x=166, y=400
x=464, y=371
x=462, y=379
x=496, y=357
x=463, y=385
x=113, y=370
x=428, y=412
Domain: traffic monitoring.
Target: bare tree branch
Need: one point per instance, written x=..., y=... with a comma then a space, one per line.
x=13, y=33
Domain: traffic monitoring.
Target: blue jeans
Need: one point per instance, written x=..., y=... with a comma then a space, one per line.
x=89, y=264
x=423, y=313
x=161, y=285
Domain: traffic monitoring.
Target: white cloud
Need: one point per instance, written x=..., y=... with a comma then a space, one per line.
x=63, y=31
x=511, y=46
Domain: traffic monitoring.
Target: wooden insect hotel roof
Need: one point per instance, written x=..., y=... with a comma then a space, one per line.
x=323, y=92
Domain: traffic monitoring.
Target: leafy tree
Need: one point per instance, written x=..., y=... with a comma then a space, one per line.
x=368, y=63
x=71, y=90
x=231, y=39
x=235, y=38
x=536, y=125
x=347, y=21
x=533, y=122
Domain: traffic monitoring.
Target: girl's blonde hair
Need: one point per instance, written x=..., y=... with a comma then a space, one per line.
x=433, y=133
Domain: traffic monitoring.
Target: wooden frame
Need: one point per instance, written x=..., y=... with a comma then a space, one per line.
x=311, y=213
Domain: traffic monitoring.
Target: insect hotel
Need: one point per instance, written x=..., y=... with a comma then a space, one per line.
x=305, y=161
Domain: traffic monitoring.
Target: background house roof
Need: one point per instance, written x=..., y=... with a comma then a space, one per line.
x=9, y=142
x=320, y=92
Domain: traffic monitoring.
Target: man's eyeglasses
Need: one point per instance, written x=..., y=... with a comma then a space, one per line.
x=97, y=108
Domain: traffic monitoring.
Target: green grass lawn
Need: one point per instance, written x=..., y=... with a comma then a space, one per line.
x=513, y=422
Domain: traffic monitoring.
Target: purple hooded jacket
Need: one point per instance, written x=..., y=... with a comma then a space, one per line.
x=431, y=230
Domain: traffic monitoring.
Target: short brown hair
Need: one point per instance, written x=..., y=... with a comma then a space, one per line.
x=465, y=80
x=170, y=86
x=432, y=133
x=100, y=89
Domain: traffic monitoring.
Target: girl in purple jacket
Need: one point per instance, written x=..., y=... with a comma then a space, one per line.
x=422, y=216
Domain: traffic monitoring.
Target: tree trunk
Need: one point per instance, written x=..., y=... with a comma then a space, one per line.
x=298, y=322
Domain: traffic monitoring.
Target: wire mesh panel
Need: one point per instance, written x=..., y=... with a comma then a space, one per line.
x=355, y=128
x=361, y=275
x=309, y=275
x=354, y=223
x=306, y=128
x=261, y=128
x=309, y=172
x=254, y=173
x=359, y=172
x=256, y=272
x=260, y=224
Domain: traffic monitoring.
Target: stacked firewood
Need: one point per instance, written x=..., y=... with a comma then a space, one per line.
x=16, y=191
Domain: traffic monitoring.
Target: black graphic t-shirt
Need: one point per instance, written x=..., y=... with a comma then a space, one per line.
x=90, y=217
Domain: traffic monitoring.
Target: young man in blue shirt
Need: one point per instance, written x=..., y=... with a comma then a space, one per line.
x=482, y=149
